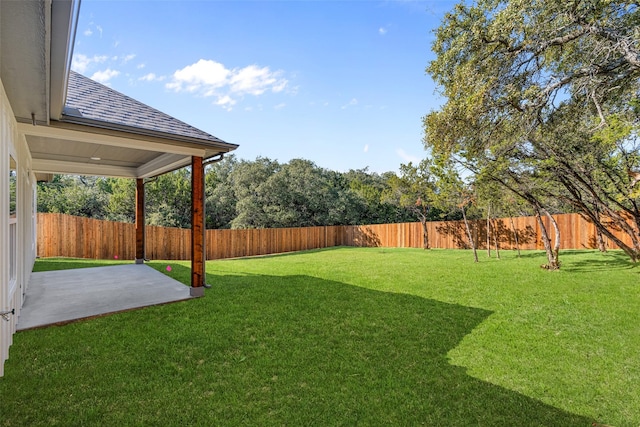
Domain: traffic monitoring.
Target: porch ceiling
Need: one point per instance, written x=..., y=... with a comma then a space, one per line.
x=78, y=150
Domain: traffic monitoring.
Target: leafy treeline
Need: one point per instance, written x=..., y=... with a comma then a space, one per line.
x=543, y=102
x=242, y=194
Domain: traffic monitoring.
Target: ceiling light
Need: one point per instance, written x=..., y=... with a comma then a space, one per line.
x=96, y=158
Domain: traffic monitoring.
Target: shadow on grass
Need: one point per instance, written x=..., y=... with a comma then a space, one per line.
x=284, y=254
x=574, y=260
x=263, y=350
x=614, y=259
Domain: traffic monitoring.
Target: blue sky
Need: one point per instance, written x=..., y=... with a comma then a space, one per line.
x=340, y=83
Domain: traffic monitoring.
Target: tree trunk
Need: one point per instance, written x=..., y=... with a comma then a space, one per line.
x=552, y=264
x=593, y=213
x=556, y=244
x=515, y=235
x=489, y=231
x=469, y=236
x=602, y=247
x=495, y=238
x=425, y=234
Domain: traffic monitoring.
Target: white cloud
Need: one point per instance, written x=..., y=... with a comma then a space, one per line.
x=292, y=90
x=105, y=76
x=211, y=78
x=141, y=66
x=128, y=58
x=81, y=63
x=89, y=31
x=366, y=148
x=382, y=31
x=203, y=75
x=407, y=157
x=254, y=81
x=280, y=106
x=226, y=102
x=151, y=77
x=350, y=103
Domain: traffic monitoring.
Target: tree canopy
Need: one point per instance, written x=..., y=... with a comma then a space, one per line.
x=542, y=97
x=262, y=193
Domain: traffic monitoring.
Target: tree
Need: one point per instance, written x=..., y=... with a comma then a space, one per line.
x=297, y=195
x=73, y=195
x=373, y=191
x=248, y=180
x=414, y=190
x=452, y=193
x=351, y=206
x=524, y=81
x=220, y=198
x=121, y=205
x=168, y=199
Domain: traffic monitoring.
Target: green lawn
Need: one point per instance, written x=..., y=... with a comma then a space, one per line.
x=350, y=336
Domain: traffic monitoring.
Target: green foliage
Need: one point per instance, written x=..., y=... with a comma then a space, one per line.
x=73, y=195
x=122, y=204
x=541, y=98
x=13, y=192
x=168, y=199
x=415, y=190
x=220, y=199
x=238, y=194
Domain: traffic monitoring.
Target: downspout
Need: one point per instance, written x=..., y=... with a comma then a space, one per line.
x=211, y=160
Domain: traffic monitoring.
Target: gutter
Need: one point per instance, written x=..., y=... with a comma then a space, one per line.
x=128, y=130
x=63, y=29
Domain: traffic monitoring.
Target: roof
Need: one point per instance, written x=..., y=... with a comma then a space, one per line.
x=103, y=132
x=94, y=104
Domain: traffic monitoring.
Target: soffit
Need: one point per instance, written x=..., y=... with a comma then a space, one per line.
x=69, y=149
x=24, y=50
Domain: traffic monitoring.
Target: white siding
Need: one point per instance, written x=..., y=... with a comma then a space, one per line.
x=11, y=296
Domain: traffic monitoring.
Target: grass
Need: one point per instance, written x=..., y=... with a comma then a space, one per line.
x=350, y=336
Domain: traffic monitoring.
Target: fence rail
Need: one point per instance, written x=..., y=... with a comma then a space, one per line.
x=68, y=236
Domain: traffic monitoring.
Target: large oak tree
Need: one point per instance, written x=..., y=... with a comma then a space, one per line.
x=542, y=98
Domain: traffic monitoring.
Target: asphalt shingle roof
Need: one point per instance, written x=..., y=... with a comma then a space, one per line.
x=89, y=101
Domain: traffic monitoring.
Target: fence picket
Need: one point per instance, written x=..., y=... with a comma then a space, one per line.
x=68, y=236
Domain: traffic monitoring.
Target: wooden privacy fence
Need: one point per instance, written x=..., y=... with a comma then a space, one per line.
x=68, y=236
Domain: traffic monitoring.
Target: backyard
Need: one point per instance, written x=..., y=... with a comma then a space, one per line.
x=349, y=336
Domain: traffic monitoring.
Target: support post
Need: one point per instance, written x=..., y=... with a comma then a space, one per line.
x=140, y=226
x=197, y=227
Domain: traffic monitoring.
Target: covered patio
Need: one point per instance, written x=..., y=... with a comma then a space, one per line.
x=56, y=121
x=63, y=296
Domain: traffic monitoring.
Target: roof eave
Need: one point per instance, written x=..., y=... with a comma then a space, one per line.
x=64, y=17
x=97, y=126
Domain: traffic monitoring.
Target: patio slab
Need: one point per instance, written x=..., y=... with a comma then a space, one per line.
x=62, y=296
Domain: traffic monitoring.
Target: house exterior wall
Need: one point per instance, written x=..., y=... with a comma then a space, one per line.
x=17, y=232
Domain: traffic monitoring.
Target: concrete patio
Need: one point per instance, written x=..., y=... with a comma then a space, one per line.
x=62, y=296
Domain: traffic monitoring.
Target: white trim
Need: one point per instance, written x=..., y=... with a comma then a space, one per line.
x=72, y=168
x=161, y=164
x=113, y=141
x=20, y=228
